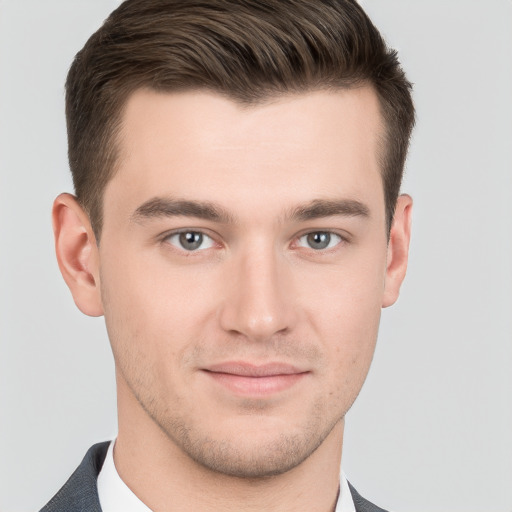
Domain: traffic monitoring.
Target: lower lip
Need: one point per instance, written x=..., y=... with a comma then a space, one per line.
x=256, y=386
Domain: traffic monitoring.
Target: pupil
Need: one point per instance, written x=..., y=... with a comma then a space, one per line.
x=319, y=240
x=191, y=240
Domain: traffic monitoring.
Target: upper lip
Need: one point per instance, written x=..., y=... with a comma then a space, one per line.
x=245, y=369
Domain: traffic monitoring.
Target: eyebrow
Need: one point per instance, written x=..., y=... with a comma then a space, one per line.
x=319, y=208
x=168, y=207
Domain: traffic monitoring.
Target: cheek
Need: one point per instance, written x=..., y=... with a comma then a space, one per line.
x=345, y=302
x=352, y=340
x=345, y=313
x=152, y=310
x=133, y=304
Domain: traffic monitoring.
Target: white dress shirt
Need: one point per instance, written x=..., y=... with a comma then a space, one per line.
x=116, y=496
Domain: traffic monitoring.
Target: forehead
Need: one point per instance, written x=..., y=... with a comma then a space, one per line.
x=200, y=145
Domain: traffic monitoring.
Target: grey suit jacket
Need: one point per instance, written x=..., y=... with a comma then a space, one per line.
x=80, y=492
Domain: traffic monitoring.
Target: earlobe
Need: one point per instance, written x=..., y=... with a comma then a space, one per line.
x=398, y=250
x=77, y=253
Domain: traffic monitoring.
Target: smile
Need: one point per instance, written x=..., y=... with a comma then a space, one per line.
x=245, y=379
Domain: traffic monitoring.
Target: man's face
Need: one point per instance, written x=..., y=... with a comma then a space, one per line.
x=242, y=268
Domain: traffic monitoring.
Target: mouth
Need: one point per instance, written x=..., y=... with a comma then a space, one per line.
x=245, y=379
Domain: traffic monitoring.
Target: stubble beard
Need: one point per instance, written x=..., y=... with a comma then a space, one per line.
x=232, y=452
x=238, y=456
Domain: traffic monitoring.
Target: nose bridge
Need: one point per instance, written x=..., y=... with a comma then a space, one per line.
x=258, y=301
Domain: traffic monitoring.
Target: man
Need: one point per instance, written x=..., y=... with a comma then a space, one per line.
x=237, y=221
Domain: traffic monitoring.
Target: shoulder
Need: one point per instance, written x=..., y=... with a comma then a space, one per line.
x=80, y=492
x=362, y=504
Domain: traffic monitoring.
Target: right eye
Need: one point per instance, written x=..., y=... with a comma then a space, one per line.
x=190, y=241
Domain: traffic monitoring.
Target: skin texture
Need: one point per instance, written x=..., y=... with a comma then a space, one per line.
x=255, y=298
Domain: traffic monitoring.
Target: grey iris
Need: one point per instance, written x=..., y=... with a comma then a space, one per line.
x=319, y=240
x=191, y=240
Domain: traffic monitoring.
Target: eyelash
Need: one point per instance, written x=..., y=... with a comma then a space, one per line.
x=169, y=236
x=166, y=239
x=330, y=235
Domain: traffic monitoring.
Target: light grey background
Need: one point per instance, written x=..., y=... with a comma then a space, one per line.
x=432, y=428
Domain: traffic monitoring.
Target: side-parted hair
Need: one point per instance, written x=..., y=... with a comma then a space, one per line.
x=247, y=50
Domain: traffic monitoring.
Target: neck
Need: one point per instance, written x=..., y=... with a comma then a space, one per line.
x=160, y=473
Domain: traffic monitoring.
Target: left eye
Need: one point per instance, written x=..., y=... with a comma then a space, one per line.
x=319, y=240
x=190, y=241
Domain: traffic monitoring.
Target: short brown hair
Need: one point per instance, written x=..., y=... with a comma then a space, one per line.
x=245, y=49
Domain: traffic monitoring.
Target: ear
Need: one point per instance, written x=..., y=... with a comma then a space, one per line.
x=77, y=253
x=398, y=250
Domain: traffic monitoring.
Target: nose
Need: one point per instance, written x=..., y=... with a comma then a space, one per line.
x=259, y=299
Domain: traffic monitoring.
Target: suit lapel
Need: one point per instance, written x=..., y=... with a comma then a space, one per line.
x=80, y=492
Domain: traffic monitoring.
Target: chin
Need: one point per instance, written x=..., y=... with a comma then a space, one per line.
x=251, y=453
x=251, y=460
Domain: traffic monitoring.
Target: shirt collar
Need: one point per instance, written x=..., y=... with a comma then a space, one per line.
x=113, y=493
